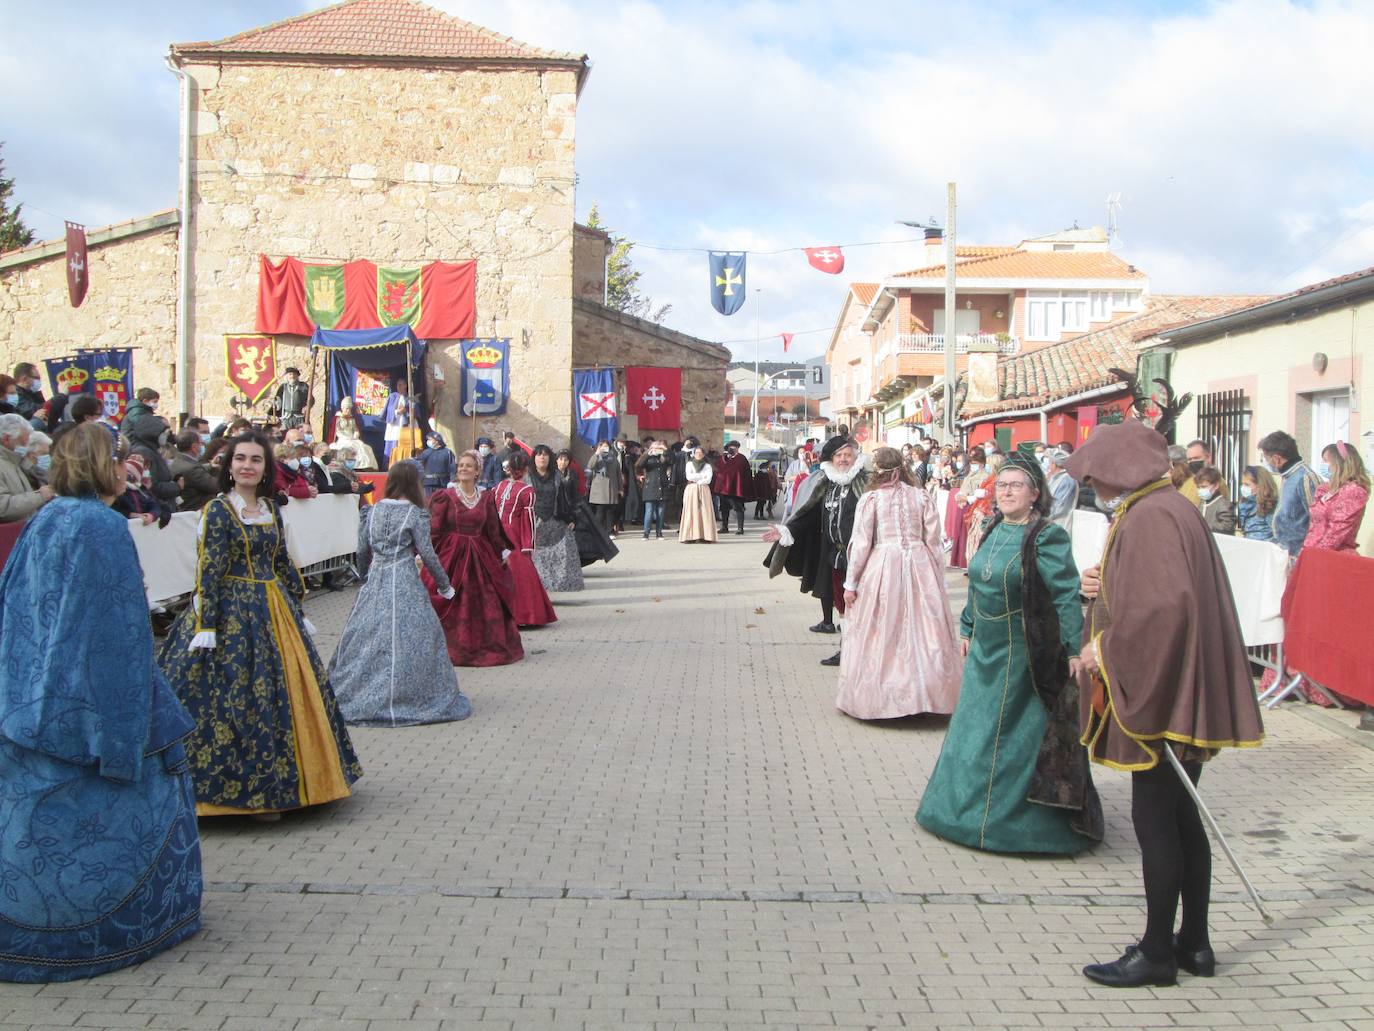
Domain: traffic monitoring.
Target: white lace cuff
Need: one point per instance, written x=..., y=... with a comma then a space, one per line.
x=449, y=594
x=784, y=536
x=851, y=587
x=309, y=626
x=204, y=639
x=505, y=554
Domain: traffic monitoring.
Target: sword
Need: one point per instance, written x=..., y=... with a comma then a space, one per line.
x=1216, y=832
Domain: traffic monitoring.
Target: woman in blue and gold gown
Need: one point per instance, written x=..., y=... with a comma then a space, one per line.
x=99, y=852
x=1012, y=776
x=269, y=736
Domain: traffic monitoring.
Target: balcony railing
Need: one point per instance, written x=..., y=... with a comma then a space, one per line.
x=934, y=343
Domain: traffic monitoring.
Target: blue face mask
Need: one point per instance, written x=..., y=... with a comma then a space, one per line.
x=307, y=460
x=205, y=438
x=1324, y=471
x=43, y=462
x=349, y=463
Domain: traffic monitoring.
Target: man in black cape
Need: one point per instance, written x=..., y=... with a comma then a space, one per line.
x=813, y=544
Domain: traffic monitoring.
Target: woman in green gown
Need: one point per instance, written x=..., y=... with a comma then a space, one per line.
x=1011, y=776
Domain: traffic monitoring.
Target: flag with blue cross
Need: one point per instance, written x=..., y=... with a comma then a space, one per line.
x=727, y=281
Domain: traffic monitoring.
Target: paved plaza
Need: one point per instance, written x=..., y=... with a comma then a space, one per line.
x=659, y=820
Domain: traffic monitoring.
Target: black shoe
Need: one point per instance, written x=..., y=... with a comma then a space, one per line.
x=1133, y=970
x=1198, y=962
x=834, y=660
x=659, y=537
x=825, y=628
x=739, y=532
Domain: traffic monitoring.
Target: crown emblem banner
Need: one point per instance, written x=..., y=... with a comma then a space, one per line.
x=486, y=376
x=108, y=374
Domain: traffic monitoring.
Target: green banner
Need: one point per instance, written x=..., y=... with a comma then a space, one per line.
x=324, y=294
x=398, y=296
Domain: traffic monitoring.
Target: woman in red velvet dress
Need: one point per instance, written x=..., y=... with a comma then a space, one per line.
x=479, y=620
x=515, y=505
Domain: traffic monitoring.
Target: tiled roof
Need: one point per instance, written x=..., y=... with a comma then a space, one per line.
x=864, y=292
x=1013, y=263
x=1037, y=378
x=376, y=28
x=959, y=254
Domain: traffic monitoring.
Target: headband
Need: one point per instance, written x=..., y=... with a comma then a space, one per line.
x=1341, y=449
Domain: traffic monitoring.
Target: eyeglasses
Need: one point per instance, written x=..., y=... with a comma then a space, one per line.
x=1013, y=486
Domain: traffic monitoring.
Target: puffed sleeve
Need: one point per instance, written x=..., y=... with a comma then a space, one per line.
x=424, y=547
x=212, y=562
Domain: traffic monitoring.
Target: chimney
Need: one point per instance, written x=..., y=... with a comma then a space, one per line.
x=935, y=246
x=982, y=373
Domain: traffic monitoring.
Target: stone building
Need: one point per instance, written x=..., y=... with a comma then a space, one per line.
x=374, y=129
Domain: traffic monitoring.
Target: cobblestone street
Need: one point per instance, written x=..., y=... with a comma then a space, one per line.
x=659, y=820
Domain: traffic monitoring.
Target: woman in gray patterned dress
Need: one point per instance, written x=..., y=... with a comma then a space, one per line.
x=391, y=668
x=555, y=544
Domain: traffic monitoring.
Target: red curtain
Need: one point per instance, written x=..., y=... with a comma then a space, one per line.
x=281, y=298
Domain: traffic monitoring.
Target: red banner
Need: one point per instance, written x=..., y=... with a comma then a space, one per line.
x=655, y=395
x=250, y=365
x=825, y=259
x=78, y=272
x=447, y=298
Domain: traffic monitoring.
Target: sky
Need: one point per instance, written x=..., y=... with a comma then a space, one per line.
x=1239, y=135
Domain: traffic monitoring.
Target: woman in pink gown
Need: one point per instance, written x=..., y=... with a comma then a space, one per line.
x=901, y=651
x=515, y=505
x=479, y=621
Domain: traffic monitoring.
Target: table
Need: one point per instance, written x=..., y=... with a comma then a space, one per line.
x=1326, y=610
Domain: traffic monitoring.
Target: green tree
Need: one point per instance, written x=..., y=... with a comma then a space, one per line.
x=13, y=232
x=622, y=278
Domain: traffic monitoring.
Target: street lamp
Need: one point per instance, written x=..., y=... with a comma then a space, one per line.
x=758, y=383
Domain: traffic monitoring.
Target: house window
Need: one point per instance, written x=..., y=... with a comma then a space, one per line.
x=1051, y=312
x=1125, y=300
x=818, y=374
x=1100, y=306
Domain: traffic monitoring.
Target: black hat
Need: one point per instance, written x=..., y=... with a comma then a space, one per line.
x=484, y=440
x=732, y=444
x=292, y=368
x=835, y=443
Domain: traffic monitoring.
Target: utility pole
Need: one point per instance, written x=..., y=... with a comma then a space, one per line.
x=758, y=340
x=951, y=316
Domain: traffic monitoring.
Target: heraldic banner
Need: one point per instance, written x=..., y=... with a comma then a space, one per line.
x=486, y=376
x=655, y=395
x=108, y=374
x=594, y=405
x=438, y=301
x=250, y=364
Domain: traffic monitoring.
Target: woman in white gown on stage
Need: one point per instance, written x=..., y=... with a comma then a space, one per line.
x=347, y=434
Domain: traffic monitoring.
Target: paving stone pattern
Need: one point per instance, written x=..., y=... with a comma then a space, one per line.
x=659, y=820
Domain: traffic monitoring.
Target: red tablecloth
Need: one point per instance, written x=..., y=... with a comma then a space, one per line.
x=1326, y=611
x=9, y=533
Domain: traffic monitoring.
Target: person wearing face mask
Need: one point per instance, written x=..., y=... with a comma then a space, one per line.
x=1298, y=488
x=1162, y=665
x=733, y=483
x=148, y=436
x=1258, y=496
x=348, y=434
x=606, y=489
x=28, y=386
x=287, y=479
x=964, y=490
x=314, y=471
x=437, y=464
x=491, y=472
x=145, y=403
x=18, y=498
x=343, y=477
x=197, y=483
x=1215, y=506
x=136, y=502
x=698, y=524
x=38, y=461
x=1198, y=455
x=1338, y=507
x=9, y=395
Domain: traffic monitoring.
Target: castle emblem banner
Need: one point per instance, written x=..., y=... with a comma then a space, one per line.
x=250, y=364
x=438, y=301
x=486, y=376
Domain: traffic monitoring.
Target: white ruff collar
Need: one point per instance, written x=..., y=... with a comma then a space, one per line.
x=844, y=478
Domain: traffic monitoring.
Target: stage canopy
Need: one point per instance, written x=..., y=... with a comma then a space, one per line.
x=367, y=365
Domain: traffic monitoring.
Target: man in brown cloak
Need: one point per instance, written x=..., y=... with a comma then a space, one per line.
x=1163, y=665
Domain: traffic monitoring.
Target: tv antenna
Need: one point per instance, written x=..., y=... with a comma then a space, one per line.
x=1113, y=208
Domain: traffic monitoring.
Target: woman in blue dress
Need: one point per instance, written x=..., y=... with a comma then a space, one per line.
x=99, y=853
x=269, y=736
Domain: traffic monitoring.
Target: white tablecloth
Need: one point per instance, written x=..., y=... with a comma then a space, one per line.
x=1257, y=570
x=316, y=529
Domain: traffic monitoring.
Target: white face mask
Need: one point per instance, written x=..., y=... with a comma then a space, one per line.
x=1205, y=493
x=307, y=461
x=1247, y=491
x=20, y=449
x=1109, y=506
x=484, y=451
x=12, y=399
x=292, y=464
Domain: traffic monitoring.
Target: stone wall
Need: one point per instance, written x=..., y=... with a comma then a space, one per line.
x=131, y=303
x=602, y=336
x=590, y=247
x=400, y=166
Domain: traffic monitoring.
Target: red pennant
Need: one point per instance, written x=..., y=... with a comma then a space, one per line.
x=786, y=341
x=78, y=274
x=826, y=259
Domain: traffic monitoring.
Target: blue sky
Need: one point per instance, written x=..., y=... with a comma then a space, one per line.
x=1239, y=134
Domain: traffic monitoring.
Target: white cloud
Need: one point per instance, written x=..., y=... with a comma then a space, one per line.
x=1239, y=132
